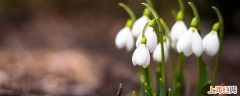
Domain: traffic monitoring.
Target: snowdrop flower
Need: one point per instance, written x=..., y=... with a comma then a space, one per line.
x=151, y=36
x=141, y=55
x=211, y=43
x=190, y=42
x=140, y=23
x=178, y=29
x=151, y=39
x=125, y=38
x=157, y=53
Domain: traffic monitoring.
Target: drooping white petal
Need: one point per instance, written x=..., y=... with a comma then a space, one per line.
x=141, y=55
x=177, y=31
x=151, y=39
x=188, y=51
x=139, y=25
x=138, y=42
x=174, y=44
x=147, y=62
x=167, y=43
x=205, y=40
x=212, y=45
x=134, y=58
x=120, y=40
x=197, y=45
x=157, y=54
x=185, y=41
x=129, y=41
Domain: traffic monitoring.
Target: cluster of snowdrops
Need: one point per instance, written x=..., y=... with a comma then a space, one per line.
x=148, y=32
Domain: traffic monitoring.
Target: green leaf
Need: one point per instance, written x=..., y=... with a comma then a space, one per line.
x=205, y=88
x=169, y=92
x=204, y=76
x=134, y=93
x=159, y=75
x=177, y=90
x=146, y=93
x=163, y=91
x=179, y=75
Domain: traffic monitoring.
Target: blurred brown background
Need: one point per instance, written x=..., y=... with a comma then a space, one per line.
x=66, y=47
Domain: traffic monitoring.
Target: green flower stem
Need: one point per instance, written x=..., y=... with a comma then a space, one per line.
x=200, y=78
x=129, y=11
x=150, y=3
x=180, y=76
x=196, y=15
x=144, y=29
x=174, y=13
x=200, y=62
x=220, y=46
x=161, y=40
x=181, y=6
x=151, y=79
x=180, y=62
x=166, y=28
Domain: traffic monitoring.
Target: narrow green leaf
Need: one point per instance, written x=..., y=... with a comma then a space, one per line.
x=152, y=10
x=180, y=76
x=205, y=88
x=159, y=75
x=169, y=92
x=129, y=11
x=177, y=90
x=148, y=81
x=204, y=76
x=134, y=93
x=146, y=93
x=163, y=91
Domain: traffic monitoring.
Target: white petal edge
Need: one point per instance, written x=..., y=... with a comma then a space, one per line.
x=188, y=51
x=134, y=58
x=151, y=39
x=148, y=60
x=129, y=41
x=157, y=54
x=120, y=40
x=139, y=25
x=212, y=46
x=205, y=40
x=178, y=29
x=138, y=42
x=141, y=55
x=197, y=45
x=185, y=41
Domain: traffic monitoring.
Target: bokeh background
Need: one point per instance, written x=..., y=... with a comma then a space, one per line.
x=66, y=47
